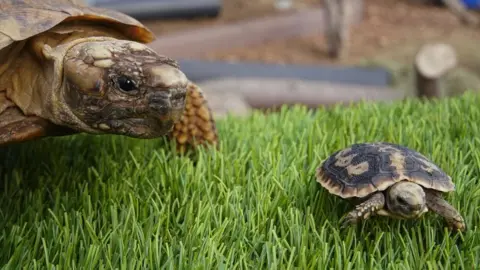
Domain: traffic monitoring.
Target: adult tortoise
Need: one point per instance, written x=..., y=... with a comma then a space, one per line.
x=67, y=68
x=390, y=180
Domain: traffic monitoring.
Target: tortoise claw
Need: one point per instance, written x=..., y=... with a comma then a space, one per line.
x=350, y=219
x=457, y=225
x=364, y=210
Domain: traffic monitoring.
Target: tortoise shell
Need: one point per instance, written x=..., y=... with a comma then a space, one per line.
x=364, y=168
x=21, y=19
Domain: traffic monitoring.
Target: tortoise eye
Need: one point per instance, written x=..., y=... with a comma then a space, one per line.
x=126, y=84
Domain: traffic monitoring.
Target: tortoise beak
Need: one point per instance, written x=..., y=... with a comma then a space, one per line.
x=177, y=101
x=168, y=105
x=422, y=211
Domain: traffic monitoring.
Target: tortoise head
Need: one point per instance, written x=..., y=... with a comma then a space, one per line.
x=406, y=199
x=122, y=87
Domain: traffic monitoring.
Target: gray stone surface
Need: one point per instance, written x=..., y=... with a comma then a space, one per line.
x=238, y=95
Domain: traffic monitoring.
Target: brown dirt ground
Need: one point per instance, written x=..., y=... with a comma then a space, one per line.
x=390, y=26
x=232, y=11
x=390, y=34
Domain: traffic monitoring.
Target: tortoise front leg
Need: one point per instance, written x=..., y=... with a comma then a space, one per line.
x=15, y=127
x=364, y=210
x=437, y=204
x=197, y=126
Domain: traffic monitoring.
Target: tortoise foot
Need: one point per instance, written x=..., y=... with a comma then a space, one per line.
x=197, y=126
x=457, y=224
x=364, y=210
x=352, y=218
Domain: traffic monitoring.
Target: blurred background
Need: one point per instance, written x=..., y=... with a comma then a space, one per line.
x=266, y=53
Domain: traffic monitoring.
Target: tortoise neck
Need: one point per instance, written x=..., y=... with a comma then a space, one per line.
x=32, y=75
x=34, y=79
x=55, y=108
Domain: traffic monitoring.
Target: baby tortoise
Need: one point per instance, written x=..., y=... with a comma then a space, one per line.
x=66, y=67
x=388, y=180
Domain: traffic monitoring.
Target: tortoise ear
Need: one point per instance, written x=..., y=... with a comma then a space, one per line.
x=47, y=52
x=55, y=54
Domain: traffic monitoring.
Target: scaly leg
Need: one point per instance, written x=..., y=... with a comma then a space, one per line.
x=197, y=126
x=437, y=204
x=15, y=127
x=364, y=210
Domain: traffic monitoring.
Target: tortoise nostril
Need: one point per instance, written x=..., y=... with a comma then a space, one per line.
x=159, y=102
x=159, y=97
x=163, y=101
x=178, y=95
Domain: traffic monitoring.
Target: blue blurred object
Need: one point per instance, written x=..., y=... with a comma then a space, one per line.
x=162, y=9
x=472, y=4
x=199, y=70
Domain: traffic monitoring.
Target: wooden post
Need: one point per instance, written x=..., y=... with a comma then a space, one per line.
x=431, y=63
x=338, y=16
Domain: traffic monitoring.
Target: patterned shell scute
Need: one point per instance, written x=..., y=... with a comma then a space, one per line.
x=364, y=168
x=21, y=19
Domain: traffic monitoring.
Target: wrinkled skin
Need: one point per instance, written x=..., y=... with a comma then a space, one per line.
x=122, y=87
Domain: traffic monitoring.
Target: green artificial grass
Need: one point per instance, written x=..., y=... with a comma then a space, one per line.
x=110, y=202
